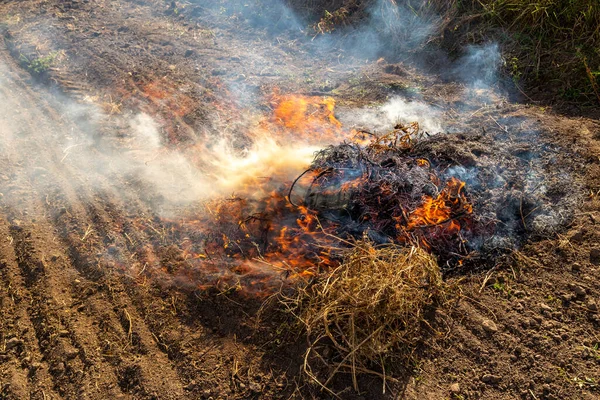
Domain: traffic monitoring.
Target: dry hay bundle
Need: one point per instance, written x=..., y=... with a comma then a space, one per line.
x=369, y=311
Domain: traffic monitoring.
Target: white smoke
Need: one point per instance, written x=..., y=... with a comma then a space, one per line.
x=146, y=131
x=397, y=110
x=93, y=150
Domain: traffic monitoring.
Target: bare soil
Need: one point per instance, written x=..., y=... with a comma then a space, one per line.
x=77, y=323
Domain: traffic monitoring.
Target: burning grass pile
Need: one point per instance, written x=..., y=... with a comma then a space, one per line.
x=369, y=313
x=378, y=187
x=463, y=197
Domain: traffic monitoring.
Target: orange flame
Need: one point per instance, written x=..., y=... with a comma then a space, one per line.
x=448, y=205
x=310, y=116
x=258, y=227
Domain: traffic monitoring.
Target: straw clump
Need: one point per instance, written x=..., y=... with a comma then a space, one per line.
x=370, y=310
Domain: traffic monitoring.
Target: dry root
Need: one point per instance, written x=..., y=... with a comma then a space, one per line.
x=368, y=312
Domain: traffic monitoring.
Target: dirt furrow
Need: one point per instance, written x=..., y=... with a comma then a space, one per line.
x=139, y=259
x=68, y=338
x=63, y=341
x=146, y=376
x=61, y=284
x=193, y=347
x=24, y=371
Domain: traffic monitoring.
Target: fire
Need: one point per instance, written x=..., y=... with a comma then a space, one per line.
x=298, y=112
x=279, y=147
x=310, y=116
x=258, y=229
x=261, y=233
x=449, y=204
x=423, y=163
x=438, y=222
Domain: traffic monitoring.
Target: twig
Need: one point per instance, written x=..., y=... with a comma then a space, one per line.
x=87, y=232
x=352, y=352
x=129, y=332
x=476, y=111
x=128, y=238
x=521, y=212
x=173, y=304
x=501, y=127
x=457, y=216
x=487, y=278
x=66, y=151
x=289, y=197
x=592, y=78
x=143, y=269
x=313, y=377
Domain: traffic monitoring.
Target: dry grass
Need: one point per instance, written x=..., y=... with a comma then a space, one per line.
x=367, y=313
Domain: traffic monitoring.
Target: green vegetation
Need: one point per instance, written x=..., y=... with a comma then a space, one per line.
x=499, y=287
x=550, y=45
x=551, y=42
x=39, y=65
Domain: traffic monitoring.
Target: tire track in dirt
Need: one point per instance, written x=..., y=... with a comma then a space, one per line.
x=31, y=269
x=192, y=347
x=159, y=311
x=129, y=374
x=81, y=327
x=139, y=253
x=67, y=343
x=66, y=337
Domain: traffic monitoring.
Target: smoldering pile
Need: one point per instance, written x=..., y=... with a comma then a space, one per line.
x=466, y=198
x=463, y=197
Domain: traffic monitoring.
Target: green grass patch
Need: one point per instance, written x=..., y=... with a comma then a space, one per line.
x=40, y=65
x=554, y=42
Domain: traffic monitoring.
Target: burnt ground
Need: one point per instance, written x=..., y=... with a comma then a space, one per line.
x=80, y=319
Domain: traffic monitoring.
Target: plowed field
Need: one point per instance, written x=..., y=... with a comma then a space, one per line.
x=91, y=301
